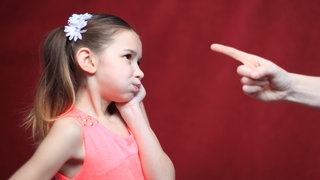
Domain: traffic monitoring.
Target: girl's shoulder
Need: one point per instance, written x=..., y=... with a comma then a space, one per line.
x=69, y=126
x=63, y=142
x=66, y=134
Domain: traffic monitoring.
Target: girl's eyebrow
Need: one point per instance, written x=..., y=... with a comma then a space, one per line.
x=131, y=51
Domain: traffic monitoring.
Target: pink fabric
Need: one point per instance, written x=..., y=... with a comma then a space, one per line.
x=107, y=155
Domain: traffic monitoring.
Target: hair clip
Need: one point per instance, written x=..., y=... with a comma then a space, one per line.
x=75, y=24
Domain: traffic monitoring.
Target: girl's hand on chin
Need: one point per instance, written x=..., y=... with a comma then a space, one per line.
x=140, y=95
x=135, y=101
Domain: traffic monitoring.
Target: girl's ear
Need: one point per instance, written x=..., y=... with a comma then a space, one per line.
x=86, y=60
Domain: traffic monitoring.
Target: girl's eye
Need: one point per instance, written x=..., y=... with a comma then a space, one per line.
x=128, y=56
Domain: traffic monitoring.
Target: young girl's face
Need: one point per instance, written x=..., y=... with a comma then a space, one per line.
x=118, y=74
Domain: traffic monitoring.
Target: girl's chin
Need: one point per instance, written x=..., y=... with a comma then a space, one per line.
x=125, y=99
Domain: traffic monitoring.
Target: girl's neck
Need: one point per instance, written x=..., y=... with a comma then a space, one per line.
x=91, y=102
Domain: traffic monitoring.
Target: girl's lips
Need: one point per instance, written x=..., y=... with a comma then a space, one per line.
x=137, y=86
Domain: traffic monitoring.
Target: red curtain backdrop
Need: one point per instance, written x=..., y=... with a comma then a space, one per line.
x=209, y=128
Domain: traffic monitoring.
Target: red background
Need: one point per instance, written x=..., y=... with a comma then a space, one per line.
x=209, y=128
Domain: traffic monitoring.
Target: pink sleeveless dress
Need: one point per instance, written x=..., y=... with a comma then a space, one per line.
x=107, y=155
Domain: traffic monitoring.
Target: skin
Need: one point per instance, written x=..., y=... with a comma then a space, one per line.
x=113, y=76
x=264, y=80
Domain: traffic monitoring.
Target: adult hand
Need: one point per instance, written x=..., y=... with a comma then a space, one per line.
x=261, y=78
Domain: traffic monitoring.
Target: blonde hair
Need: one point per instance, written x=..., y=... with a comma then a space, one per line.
x=62, y=76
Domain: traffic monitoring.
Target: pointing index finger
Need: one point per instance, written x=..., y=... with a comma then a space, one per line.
x=236, y=54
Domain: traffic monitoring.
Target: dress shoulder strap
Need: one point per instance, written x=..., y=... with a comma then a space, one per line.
x=79, y=116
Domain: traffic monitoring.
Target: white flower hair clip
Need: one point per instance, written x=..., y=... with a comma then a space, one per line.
x=75, y=24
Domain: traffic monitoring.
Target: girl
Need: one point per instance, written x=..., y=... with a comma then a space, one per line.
x=88, y=111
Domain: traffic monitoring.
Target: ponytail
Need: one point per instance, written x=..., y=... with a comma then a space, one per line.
x=56, y=92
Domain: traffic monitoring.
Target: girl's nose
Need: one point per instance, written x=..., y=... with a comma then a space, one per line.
x=138, y=73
